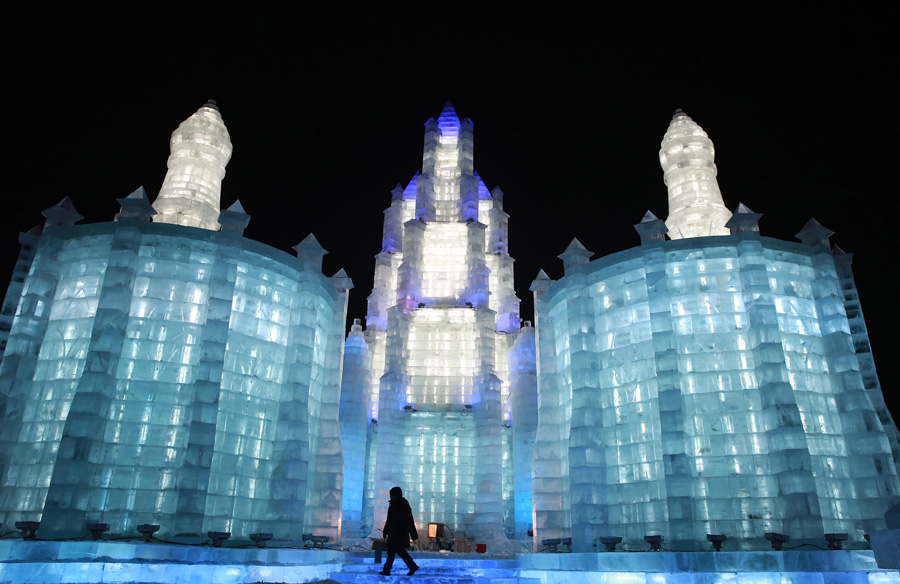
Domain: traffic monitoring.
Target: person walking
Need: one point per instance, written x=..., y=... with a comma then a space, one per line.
x=398, y=529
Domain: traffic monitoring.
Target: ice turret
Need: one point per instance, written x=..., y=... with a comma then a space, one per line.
x=135, y=207
x=687, y=157
x=200, y=149
x=63, y=213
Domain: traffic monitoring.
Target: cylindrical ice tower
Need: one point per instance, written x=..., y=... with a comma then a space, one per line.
x=687, y=157
x=192, y=188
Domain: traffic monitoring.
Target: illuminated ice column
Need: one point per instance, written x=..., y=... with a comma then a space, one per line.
x=551, y=449
x=487, y=414
x=324, y=508
x=193, y=479
x=28, y=241
x=477, y=284
x=409, y=276
x=860, y=335
x=354, y=426
x=29, y=439
x=390, y=467
x=503, y=295
x=523, y=388
x=871, y=468
x=695, y=203
x=79, y=487
x=670, y=402
x=469, y=181
x=192, y=188
x=589, y=436
x=425, y=192
x=382, y=296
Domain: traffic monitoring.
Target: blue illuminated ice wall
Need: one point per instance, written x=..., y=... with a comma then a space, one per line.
x=158, y=373
x=709, y=385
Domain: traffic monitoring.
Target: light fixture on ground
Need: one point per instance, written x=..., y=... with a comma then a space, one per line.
x=610, y=542
x=218, y=537
x=717, y=539
x=97, y=529
x=28, y=528
x=553, y=544
x=435, y=530
x=836, y=540
x=260, y=539
x=147, y=530
x=315, y=541
x=777, y=539
x=655, y=542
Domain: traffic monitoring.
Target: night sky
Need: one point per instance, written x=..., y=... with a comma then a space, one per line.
x=326, y=116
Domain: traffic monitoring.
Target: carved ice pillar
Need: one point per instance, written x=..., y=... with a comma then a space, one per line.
x=860, y=336
x=871, y=482
x=477, y=284
x=392, y=418
x=409, y=284
x=523, y=388
x=78, y=487
x=354, y=426
x=551, y=453
x=488, y=438
x=324, y=505
x=194, y=475
x=469, y=182
x=20, y=394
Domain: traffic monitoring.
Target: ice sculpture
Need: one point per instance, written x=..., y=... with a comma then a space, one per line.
x=161, y=374
x=192, y=189
x=439, y=390
x=687, y=157
x=708, y=385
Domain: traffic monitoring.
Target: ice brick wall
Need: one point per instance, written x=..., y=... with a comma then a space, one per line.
x=707, y=385
x=164, y=374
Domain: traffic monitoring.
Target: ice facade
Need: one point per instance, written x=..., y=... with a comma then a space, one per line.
x=708, y=385
x=172, y=375
x=439, y=391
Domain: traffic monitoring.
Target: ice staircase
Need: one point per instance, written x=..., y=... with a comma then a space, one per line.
x=434, y=568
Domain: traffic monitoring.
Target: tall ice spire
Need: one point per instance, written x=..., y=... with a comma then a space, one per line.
x=441, y=378
x=687, y=157
x=200, y=149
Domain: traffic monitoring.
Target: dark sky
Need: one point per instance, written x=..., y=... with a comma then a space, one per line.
x=325, y=113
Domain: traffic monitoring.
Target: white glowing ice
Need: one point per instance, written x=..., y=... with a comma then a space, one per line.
x=687, y=157
x=192, y=190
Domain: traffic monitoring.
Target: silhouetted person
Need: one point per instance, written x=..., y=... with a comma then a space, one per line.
x=398, y=529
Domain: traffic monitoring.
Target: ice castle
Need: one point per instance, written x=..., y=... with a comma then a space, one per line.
x=163, y=369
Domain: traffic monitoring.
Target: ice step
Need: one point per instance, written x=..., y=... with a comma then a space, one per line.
x=426, y=570
x=434, y=568
x=344, y=577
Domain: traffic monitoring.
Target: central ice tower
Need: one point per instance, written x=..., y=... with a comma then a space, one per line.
x=434, y=398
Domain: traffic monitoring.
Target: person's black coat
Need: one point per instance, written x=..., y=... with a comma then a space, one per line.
x=400, y=526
